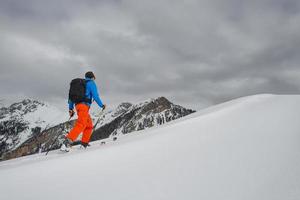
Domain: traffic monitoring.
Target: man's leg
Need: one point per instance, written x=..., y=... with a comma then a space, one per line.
x=81, y=123
x=87, y=133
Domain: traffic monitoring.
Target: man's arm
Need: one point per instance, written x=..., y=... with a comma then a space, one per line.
x=95, y=94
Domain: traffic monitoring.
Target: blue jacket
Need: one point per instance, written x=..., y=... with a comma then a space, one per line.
x=91, y=92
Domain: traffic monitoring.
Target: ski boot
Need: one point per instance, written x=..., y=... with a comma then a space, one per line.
x=85, y=145
x=66, y=146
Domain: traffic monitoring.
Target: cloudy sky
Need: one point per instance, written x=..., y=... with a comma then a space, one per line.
x=195, y=52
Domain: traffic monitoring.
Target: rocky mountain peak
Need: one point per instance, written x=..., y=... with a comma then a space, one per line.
x=157, y=105
x=23, y=120
x=137, y=117
x=25, y=106
x=122, y=108
x=125, y=105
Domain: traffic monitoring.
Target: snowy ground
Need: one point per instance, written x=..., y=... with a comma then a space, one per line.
x=246, y=149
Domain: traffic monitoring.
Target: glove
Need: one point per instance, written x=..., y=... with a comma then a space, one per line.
x=71, y=113
x=103, y=107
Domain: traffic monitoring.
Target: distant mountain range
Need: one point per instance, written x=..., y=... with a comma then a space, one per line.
x=31, y=126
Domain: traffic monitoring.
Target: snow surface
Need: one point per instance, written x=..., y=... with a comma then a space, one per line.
x=246, y=149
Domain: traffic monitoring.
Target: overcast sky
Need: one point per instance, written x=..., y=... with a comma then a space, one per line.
x=195, y=52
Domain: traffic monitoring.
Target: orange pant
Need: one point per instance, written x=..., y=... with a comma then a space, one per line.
x=83, y=124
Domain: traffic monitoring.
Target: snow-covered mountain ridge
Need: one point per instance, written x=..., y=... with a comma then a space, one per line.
x=241, y=150
x=129, y=118
x=30, y=126
x=22, y=120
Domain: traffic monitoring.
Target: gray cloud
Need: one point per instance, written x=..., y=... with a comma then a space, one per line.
x=197, y=53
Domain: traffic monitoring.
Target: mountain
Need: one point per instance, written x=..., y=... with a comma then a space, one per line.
x=23, y=120
x=128, y=117
x=33, y=137
x=243, y=149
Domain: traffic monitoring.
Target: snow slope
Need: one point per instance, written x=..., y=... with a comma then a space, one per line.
x=246, y=149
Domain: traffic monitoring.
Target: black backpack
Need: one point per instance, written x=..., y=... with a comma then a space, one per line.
x=77, y=91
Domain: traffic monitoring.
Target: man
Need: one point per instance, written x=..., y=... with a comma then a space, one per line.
x=84, y=122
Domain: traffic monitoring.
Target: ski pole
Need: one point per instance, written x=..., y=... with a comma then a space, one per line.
x=98, y=120
x=55, y=139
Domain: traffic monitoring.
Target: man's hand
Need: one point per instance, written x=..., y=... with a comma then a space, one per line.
x=71, y=113
x=103, y=107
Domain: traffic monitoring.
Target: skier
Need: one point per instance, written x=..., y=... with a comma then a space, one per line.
x=82, y=104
